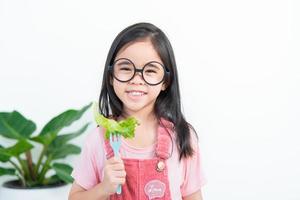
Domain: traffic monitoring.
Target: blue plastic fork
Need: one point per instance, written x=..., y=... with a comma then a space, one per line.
x=115, y=143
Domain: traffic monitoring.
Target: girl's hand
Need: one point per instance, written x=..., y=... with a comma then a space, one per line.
x=114, y=174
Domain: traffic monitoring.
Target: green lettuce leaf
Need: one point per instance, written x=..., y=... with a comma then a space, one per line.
x=124, y=127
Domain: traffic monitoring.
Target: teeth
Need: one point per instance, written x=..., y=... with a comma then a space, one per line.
x=136, y=93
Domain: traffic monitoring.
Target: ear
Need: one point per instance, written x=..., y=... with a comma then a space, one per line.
x=111, y=81
x=164, y=87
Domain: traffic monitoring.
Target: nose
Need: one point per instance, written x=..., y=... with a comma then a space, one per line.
x=138, y=77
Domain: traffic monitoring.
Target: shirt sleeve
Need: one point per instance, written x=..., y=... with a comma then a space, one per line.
x=87, y=171
x=193, y=174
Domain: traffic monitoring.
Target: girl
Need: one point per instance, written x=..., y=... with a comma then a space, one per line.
x=162, y=160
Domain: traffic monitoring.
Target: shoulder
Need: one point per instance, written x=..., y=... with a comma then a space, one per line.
x=94, y=141
x=88, y=171
x=95, y=135
x=169, y=126
x=193, y=138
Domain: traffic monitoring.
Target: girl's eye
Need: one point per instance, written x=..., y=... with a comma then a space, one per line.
x=125, y=69
x=151, y=71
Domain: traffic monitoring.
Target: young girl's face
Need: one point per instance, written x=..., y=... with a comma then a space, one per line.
x=137, y=96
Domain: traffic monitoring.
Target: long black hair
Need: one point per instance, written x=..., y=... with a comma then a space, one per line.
x=167, y=104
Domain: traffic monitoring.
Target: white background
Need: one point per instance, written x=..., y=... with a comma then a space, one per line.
x=239, y=76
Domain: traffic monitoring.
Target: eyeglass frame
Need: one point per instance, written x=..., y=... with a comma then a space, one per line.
x=166, y=71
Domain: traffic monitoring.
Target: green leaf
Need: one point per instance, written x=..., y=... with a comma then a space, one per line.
x=20, y=147
x=63, y=139
x=51, y=180
x=62, y=151
x=63, y=171
x=128, y=127
x=109, y=124
x=7, y=171
x=45, y=139
x=124, y=127
x=15, y=126
x=63, y=120
x=4, y=155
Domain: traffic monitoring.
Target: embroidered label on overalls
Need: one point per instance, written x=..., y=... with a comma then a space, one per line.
x=155, y=189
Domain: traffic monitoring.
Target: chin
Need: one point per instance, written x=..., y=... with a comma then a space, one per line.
x=136, y=107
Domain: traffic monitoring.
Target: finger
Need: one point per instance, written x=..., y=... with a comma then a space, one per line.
x=117, y=166
x=113, y=176
x=118, y=181
x=119, y=174
x=114, y=159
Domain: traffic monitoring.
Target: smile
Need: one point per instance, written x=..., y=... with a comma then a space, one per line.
x=136, y=93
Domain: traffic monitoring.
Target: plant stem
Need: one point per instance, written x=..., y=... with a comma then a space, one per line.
x=16, y=166
x=19, y=173
x=30, y=165
x=21, y=178
x=44, y=169
x=40, y=160
x=25, y=168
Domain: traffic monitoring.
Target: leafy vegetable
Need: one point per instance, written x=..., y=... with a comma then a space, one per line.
x=124, y=127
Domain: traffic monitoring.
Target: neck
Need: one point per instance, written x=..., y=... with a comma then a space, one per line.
x=144, y=116
x=145, y=133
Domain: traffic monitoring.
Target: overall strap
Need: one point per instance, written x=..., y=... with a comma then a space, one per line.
x=108, y=149
x=164, y=139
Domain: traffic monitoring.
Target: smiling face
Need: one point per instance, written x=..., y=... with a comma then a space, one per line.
x=137, y=96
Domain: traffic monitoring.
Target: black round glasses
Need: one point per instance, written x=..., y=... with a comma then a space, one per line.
x=153, y=72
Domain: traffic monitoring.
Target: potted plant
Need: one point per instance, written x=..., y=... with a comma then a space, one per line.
x=46, y=170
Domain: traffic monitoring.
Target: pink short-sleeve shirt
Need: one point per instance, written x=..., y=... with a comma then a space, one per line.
x=88, y=171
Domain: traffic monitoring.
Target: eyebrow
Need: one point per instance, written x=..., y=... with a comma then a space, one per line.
x=153, y=65
x=124, y=62
x=150, y=63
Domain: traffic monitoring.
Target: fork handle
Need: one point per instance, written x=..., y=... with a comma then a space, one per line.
x=119, y=188
x=117, y=154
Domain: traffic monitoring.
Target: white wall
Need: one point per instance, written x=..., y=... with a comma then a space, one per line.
x=239, y=74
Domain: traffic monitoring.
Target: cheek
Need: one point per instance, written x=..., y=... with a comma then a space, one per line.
x=156, y=91
x=116, y=86
x=119, y=88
